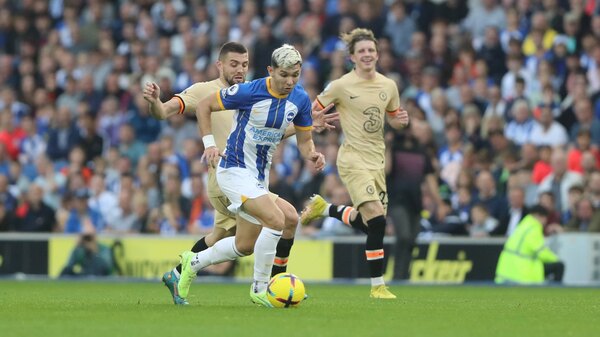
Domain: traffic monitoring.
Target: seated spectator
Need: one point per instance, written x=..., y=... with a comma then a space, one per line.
x=525, y=259
x=89, y=258
x=33, y=145
x=585, y=119
x=519, y=129
x=487, y=195
x=78, y=217
x=91, y=142
x=129, y=146
x=452, y=151
x=542, y=168
x=52, y=182
x=62, y=136
x=448, y=220
x=34, y=215
x=583, y=143
x=516, y=212
x=482, y=223
x=547, y=131
x=560, y=181
x=125, y=218
x=585, y=219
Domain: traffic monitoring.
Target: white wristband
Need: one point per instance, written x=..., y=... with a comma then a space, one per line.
x=209, y=141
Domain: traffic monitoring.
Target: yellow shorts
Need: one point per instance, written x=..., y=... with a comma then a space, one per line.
x=224, y=218
x=364, y=185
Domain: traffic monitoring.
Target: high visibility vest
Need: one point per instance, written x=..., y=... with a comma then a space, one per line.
x=524, y=254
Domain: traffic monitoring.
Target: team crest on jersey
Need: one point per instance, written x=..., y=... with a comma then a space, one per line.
x=232, y=90
x=290, y=116
x=382, y=96
x=260, y=185
x=370, y=189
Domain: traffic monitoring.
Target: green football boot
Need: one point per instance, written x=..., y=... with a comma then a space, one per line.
x=260, y=298
x=187, y=274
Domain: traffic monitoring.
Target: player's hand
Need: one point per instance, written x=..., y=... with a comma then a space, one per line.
x=151, y=92
x=321, y=119
x=212, y=155
x=402, y=116
x=318, y=159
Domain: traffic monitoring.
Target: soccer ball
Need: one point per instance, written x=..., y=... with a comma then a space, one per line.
x=285, y=290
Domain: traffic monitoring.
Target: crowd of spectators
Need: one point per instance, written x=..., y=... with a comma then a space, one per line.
x=503, y=97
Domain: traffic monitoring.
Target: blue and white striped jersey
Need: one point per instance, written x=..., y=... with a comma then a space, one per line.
x=259, y=123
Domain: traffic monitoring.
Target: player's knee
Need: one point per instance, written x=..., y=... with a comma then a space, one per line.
x=275, y=220
x=291, y=219
x=213, y=237
x=245, y=247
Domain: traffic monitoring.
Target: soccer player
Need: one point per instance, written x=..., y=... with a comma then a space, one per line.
x=264, y=109
x=363, y=97
x=232, y=64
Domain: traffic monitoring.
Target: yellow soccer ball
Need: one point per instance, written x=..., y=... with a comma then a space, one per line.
x=285, y=290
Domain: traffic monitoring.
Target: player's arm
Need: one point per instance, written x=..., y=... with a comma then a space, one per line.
x=398, y=119
x=307, y=147
x=321, y=119
x=158, y=109
x=203, y=112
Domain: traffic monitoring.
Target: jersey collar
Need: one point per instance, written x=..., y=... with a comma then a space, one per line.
x=271, y=91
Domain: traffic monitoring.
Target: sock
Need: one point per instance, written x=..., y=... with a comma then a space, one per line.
x=199, y=246
x=374, y=248
x=223, y=250
x=264, y=254
x=281, y=257
x=343, y=213
x=358, y=223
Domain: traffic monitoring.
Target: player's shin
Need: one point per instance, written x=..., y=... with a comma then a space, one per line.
x=223, y=250
x=281, y=257
x=199, y=246
x=374, y=249
x=264, y=254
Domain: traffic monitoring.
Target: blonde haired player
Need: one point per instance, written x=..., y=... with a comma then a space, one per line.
x=232, y=64
x=264, y=109
x=365, y=99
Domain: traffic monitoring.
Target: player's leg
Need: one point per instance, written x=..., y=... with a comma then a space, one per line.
x=223, y=250
x=368, y=192
x=373, y=211
x=272, y=219
x=319, y=207
x=224, y=226
x=287, y=238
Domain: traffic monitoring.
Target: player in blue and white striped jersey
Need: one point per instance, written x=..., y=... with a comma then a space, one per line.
x=264, y=109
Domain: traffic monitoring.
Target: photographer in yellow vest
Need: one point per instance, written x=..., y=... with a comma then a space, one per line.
x=525, y=258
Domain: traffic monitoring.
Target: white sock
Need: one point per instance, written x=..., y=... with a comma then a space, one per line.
x=223, y=250
x=264, y=254
x=176, y=273
x=326, y=210
x=377, y=281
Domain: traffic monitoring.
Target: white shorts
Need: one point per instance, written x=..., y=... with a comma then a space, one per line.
x=239, y=185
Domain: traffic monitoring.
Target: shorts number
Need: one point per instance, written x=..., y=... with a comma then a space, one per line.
x=383, y=198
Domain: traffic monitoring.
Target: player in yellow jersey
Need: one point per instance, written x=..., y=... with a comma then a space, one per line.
x=232, y=64
x=364, y=99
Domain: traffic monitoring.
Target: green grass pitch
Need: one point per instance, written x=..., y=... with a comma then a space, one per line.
x=53, y=308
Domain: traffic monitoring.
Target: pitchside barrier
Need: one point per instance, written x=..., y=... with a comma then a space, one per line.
x=435, y=260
